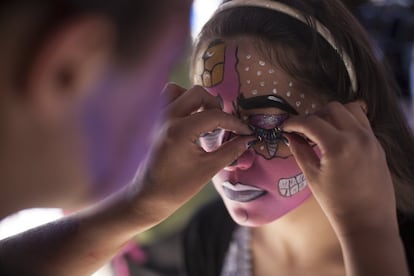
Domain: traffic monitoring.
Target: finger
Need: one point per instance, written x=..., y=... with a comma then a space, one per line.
x=206, y=121
x=314, y=128
x=227, y=153
x=304, y=154
x=172, y=91
x=338, y=116
x=191, y=101
x=359, y=111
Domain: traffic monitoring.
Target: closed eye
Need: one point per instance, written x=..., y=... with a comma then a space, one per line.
x=267, y=121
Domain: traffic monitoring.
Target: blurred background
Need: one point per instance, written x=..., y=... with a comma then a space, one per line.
x=157, y=251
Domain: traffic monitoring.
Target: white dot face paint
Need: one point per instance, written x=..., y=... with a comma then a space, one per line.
x=262, y=63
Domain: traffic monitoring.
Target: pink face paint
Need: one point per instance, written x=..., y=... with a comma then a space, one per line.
x=265, y=183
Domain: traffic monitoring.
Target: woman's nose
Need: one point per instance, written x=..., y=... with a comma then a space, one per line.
x=244, y=162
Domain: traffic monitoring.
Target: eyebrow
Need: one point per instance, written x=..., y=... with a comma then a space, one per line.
x=264, y=102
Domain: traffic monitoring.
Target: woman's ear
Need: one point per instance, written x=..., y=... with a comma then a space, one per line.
x=68, y=64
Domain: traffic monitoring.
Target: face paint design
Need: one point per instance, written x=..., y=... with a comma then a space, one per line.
x=266, y=126
x=213, y=60
x=265, y=182
x=266, y=129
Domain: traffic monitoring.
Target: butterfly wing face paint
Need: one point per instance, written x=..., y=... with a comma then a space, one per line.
x=265, y=183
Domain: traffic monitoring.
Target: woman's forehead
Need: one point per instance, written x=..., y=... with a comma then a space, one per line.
x=251, y=73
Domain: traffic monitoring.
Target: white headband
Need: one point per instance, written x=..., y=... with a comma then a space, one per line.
x=320, y=28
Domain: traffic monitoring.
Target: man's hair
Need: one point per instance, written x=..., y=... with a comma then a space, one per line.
x=135, y=22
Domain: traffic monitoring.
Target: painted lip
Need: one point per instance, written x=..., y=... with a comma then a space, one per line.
x=241, y=192
x=291, y=186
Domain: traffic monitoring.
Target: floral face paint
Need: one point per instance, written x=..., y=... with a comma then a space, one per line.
x=264, y=183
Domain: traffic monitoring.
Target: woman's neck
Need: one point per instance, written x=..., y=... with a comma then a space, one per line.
x=303, y=238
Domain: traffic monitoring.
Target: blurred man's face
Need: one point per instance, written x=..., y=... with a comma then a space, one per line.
x=63, y=146
x=120, y=115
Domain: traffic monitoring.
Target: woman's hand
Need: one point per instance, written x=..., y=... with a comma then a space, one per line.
x=351, y=180
x=179, y=167
x=352, y=184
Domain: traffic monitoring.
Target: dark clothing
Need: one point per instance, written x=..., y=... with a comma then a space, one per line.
x=406, y=225
x=207, y=238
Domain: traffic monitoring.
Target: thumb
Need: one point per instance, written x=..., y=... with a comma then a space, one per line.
x=229, y=152
x=304, y=154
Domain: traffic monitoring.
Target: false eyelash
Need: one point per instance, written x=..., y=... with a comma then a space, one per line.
x=272, y=136
x=266, y=126
x=266, y=129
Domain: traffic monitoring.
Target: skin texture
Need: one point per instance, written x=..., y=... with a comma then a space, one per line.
x=352, y=205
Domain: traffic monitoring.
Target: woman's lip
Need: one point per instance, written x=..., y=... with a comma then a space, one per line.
x=241, y=192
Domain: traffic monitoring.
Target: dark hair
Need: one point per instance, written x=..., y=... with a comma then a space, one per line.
x=308, y=58
x=135, y=22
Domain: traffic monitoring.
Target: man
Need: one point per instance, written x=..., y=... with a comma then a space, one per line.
x=79, y=88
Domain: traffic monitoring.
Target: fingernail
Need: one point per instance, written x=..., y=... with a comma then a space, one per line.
x=252, y=143
x=232, y=164
x=286, y=141
x=220, y=100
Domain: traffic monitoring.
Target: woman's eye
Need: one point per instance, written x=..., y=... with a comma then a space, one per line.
x=267, y=121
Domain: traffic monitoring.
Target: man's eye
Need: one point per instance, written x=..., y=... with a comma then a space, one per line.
x=267, y=121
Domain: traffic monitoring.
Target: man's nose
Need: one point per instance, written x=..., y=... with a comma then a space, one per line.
x=244, y=162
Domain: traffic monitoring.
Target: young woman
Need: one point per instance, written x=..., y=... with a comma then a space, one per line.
x=331, y=160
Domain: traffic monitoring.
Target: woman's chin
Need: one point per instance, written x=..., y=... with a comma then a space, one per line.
x=249, y=218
